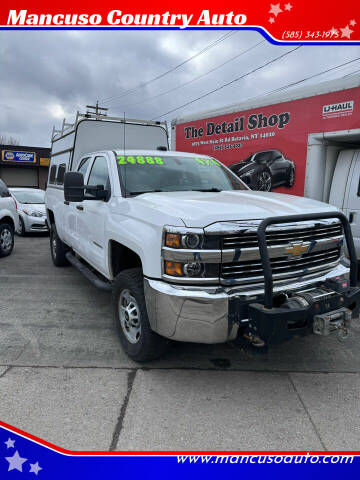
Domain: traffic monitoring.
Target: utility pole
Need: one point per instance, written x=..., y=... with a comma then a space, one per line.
x=96, y=109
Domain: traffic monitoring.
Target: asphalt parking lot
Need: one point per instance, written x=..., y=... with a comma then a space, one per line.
x=64, y=377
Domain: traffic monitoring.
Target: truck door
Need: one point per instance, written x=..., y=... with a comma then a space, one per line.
x=71, y=210
x=91, y=217
x=352, y=198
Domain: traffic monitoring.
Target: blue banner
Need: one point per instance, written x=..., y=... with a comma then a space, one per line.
x=25, y=456
x=13, y=156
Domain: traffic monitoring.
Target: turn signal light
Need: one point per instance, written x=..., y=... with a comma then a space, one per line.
x=174, y=269
x=172, y=240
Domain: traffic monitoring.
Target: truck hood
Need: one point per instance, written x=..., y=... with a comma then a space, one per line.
x=200, y=209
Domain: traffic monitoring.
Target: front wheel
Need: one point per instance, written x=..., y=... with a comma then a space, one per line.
x=58, y=248
x=139, y=342
x=264, y=182
x=6, y=239
x=21, y=228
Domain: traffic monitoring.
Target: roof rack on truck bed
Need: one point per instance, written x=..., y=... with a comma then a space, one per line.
x=96, y=131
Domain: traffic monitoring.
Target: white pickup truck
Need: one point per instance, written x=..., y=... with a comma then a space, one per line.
x=189, y=252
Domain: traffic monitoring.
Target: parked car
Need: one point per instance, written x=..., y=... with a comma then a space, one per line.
x=265, y=170
x=31, y=208
x=9, y=220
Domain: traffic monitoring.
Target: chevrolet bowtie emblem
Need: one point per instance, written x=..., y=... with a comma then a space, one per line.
x=296, y=249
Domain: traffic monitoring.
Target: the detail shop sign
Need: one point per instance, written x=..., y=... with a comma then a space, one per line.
x=18, y=157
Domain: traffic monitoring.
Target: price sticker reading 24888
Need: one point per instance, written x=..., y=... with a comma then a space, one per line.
x=148, y=160
x=140, y=160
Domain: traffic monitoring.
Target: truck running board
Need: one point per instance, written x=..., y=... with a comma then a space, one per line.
x=88, y=273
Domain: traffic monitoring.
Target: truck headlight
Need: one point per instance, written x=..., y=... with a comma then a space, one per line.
x=172, y=240
x=177, y=269
x=191, y=240
x=191, y=269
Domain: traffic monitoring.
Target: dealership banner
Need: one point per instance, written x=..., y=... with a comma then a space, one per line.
x=285, y=21
x=25, y=456
x=18, y=156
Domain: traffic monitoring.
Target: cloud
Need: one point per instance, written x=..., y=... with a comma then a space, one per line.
x=45, y=75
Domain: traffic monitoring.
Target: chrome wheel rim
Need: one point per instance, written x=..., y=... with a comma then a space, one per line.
x=265, y=182
x=129, y=314
x=6, y=240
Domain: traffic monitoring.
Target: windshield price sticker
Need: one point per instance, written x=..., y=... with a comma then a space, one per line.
x=139, y=160
x=207, y=161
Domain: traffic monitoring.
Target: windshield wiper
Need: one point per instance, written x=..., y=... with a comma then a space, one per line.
x=213, y=189
x=145, y=191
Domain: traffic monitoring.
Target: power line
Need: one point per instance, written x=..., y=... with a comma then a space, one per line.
x=228, y=83
x=194, y=79
x=309, y=78
x=144, y=84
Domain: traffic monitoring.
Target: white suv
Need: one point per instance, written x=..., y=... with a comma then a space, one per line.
x=9, y=220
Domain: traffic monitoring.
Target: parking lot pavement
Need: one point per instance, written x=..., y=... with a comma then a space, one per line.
x=64, y=377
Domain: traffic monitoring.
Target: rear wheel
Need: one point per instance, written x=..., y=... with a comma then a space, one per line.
x=291, y=177
x=6, y=239
x=58, y=248
x=131, y=320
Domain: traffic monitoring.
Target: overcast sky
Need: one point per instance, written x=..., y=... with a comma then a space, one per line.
x=47, y=75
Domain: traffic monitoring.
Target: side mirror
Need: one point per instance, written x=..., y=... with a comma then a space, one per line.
x=74, y=187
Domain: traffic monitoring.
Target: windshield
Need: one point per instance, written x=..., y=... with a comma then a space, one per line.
x=263, y=157
x=28, y=196
x=142, y=174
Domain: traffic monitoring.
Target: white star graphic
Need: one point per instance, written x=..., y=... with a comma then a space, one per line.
x=15, y=462
x=35, y=468
x=271, y=19
x=334, y=31
x=9, y=443
x=352, y=22
x=275, y=9
x=346, y=32
x=288, y=7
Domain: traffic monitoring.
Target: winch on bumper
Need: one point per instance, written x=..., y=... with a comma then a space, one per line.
x=215, y=314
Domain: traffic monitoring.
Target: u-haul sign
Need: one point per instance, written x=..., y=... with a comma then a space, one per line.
x=337, y=109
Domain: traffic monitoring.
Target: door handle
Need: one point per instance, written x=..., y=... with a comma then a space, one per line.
x=66, y=202
x=351, y=217
x=79, y=207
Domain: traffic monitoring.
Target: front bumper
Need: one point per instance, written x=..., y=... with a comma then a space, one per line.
x=205, y=314
x=35, y=224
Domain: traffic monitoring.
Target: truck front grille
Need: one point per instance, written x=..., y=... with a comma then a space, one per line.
x=282, y=237
x=324, y=242
x=250, y=271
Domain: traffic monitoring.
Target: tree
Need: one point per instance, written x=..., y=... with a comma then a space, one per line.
x=9, y=140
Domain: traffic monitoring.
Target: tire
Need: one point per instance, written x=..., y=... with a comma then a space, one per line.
x=264, y=181
x=6, y=239
x=139, y=342
x=21, y=230
x=291, y=177
x=58, y=248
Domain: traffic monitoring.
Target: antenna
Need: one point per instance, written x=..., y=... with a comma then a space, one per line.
x=96, y=109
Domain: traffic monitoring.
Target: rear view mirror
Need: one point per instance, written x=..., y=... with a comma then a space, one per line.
x=74, y=187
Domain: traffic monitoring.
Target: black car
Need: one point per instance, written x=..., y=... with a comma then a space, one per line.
x=265, y=170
